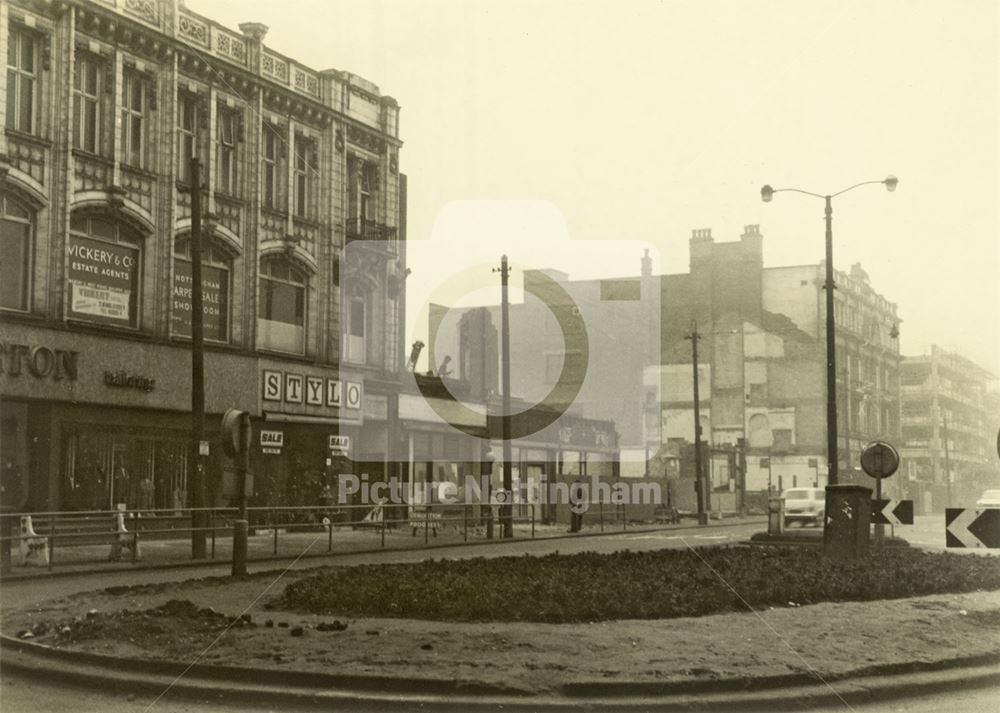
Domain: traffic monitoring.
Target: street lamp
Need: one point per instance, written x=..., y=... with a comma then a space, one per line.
x=766, y=194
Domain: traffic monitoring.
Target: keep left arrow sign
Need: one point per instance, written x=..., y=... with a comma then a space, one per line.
x=972, y=528
x=892, y=512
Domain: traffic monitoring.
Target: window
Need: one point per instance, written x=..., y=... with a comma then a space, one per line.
x=227, y=127
x=135, y=108
x=782, y=439
x=281, y=318
x=187, y=134
x=15, y=253
x=272, y=185
x=215, y=290
x=305, y=168
x=22, y=80
x=104, y=264
x=354, y=334
x=88, y=83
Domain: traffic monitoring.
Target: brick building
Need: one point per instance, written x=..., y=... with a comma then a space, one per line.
x=950, y=422
x=105, y=103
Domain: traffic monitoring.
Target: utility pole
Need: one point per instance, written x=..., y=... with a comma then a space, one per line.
x=698, y=469
x=507, y=508
x=947, y=460
x=196, y=471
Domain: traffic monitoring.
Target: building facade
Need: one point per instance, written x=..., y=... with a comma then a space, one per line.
x=951, y=414
x=105, y=104
x=763, y=350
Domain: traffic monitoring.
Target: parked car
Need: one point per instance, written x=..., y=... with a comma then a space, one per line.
x=989, y=499
x=805, y=505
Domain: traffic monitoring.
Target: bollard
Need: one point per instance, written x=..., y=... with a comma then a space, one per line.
x=240, y=547
x=33, y=548
x=775, y=516
x=122, y=540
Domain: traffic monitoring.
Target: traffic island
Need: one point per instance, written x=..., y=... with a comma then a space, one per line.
x=304, y=629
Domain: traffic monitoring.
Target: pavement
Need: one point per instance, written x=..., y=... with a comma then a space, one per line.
x=208, y=688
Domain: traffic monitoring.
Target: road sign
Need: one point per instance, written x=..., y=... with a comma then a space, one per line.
x=892, y=512
x=879, y=459
x=968, y=527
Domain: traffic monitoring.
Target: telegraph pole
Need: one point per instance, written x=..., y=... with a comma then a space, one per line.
x=947, y=460
x=196, y=471
x=506, y=509
x=698, y=469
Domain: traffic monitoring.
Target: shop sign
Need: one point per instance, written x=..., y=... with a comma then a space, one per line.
x=102, y=280
x=340, y=444
x=125, y=380
x=37, y=361
x=272, y=439
x=295, y=388
x=214, y=301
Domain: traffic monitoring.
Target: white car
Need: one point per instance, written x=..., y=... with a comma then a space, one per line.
x=805, y=505
x=989, y=499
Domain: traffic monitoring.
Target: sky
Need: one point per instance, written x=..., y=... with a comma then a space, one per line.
x=546, y=128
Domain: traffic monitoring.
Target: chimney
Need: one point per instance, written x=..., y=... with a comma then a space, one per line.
x=753, y=243
x=647, y=264
x=701, y=244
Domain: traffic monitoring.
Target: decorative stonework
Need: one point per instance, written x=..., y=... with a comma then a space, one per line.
x=362, y=138
x=28, y=157
x=90, y=173
x=229, y=47
x=145, y=10
x=139, y=188
x=274, y=67
x=192, y=30
x=230, y=213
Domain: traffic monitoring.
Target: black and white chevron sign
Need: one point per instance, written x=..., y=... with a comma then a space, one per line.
x=968, y=527
x=892, y=512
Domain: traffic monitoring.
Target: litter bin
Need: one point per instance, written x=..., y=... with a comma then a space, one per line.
x=847, y=521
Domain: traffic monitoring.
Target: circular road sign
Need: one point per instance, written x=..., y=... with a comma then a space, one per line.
x=879, y=459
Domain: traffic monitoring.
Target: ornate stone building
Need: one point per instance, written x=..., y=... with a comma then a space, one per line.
x=105, y=103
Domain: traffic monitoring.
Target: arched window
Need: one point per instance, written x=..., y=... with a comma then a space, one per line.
x=16, y=232
x=104, y=266
x=215, y=291
x=281, y=316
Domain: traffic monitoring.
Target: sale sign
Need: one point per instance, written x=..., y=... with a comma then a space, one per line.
x=214, y=301
x=103, y=281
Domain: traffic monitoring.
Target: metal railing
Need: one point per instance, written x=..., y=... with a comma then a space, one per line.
x=162, y=537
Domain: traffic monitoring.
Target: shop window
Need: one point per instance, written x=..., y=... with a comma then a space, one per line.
x=104, y=469
x=188, y=119
x=227, y=134
x=355, y=331
x=135, y=111
x=216, y=286
x=104, y=266
x=88, y=102
x=22, y=80
x=281, y=318
x=16, y=232
x=272, y=168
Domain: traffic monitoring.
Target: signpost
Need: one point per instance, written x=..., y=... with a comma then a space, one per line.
x=236, y=438
x=880, y=460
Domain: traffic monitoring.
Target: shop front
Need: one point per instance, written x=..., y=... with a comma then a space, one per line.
x=92, y=422
x=310, y=431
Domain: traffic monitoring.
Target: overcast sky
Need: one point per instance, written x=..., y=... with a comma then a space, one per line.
x=642, y=120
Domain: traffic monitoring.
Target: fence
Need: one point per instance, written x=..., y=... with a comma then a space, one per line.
x=85, y=540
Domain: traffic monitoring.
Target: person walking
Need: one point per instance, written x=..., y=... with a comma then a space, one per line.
x=577, y=505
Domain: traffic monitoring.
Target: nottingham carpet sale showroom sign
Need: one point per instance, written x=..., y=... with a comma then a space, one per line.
x=103, y=278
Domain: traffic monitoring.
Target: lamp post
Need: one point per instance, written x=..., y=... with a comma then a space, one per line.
x=699, y=478
x=766, y=193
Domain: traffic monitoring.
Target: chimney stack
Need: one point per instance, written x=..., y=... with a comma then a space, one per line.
x=647, y=264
